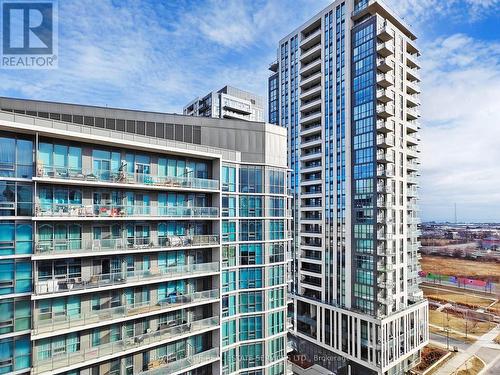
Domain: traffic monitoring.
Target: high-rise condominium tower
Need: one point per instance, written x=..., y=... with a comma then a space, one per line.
x=345, y=84
x=140, y=243
x=228, y=102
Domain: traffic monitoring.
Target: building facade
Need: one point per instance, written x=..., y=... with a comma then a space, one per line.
x=228, y=102
x=140, y=243
x=347, y=91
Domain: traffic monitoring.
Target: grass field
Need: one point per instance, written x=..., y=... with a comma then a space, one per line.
x=459, y=324
x=495, y=309
x=461, y=268
x=466, y=298
x=472, y=367
x=497, y=339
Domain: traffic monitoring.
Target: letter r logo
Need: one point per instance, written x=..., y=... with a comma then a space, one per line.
x=27, y=28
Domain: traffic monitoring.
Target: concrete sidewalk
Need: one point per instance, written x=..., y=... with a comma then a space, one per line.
x=458, y=360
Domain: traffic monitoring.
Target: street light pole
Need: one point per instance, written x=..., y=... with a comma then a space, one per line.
x=447, y=331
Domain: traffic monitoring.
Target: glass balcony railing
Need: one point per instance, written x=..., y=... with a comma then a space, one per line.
x=111, y=210
x=115, y=348
x=164, y=365
x=68, y=284
x=122, y=177
x=55, y=246
x=46, y=322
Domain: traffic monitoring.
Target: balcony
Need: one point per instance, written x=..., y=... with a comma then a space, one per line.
x=412, y=140
x=389, y=300
x=385, y=49
x=411, y=47
x=412, y=192
x=384, y=33
x=311, y=39
x=46, y=322
x=310, y=117
x=412, y=88
x=412, y=166
x=310, y=68
x=385, y=110
x=385, y=172
x=311, y=54
x=414, y=220
x=412, y=100
x=412, y=152
x=310, y=154
x=385, y=79
x=386, y=284
x=414, y=233
x=385, y=249
x=164, y=365
x=274, y=66
x=120, y=279
x=311, y=255
x=117, y=212
x=311, y=281
x=382, y=235
x=312, y=80
x=412, y=114
x=314, y=166
x=385, y=141
x=412, y=179
x=385, y=96
x=412, y=206
x=412, y=74
x=313, y=103
x=384, y=65
x=77, y=247
x=116, y=348
x=385, y=156
x=316, y=192
x=104, y=177
x=413, y=60
x=384, y=188
x=385, y=267
x=311, y=141
x=384, y=126
x=310, y=129
x=309, y=92
x=384, y=218
x=384, y=204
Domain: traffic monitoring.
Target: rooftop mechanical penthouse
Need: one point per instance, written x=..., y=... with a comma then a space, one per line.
x=141, y=243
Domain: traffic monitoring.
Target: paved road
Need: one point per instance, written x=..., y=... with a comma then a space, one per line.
x=442, y=340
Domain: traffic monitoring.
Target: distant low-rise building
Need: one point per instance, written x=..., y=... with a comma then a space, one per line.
x=228, y=102
x=490, y=243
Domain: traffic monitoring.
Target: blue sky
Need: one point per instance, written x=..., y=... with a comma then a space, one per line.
x=158, y=55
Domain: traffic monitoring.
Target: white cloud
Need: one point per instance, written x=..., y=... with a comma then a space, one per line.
x=419, y=12
x=461, y=107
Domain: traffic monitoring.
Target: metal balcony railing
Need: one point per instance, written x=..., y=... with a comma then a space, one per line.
x=114, y=348
x=111, y=210
x=98, y=175
x=165, y=365
x=69, y=284
x=55, y=246
x=47, y=322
